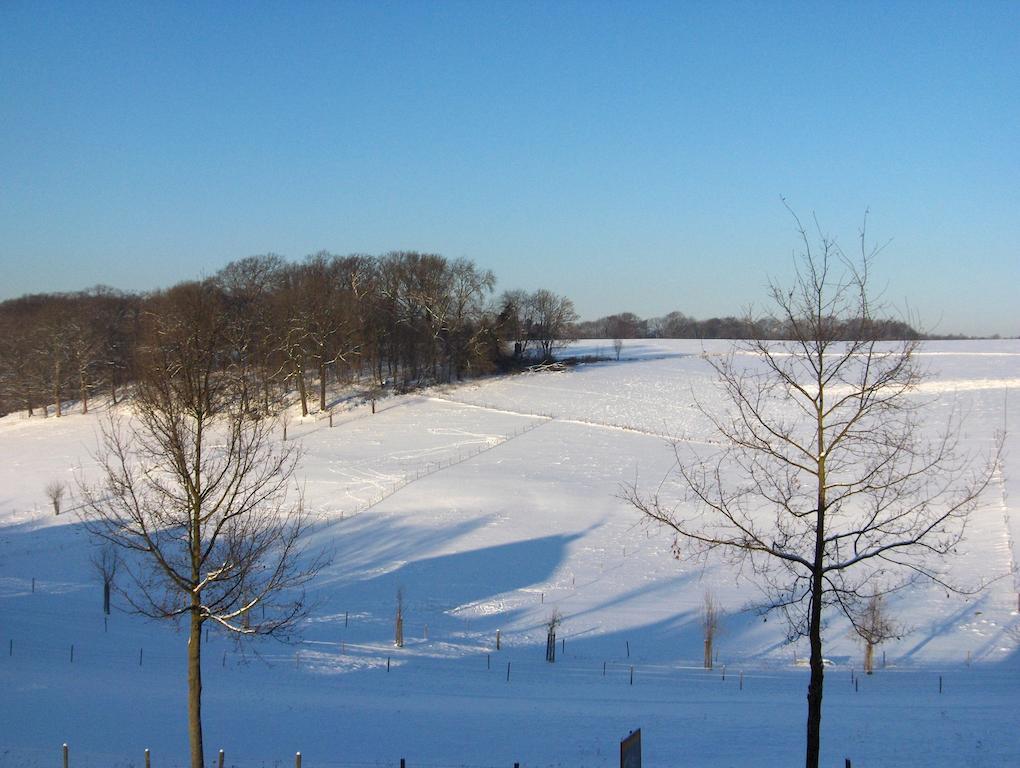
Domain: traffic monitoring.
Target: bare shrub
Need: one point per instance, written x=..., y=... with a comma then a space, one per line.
x=55, y=491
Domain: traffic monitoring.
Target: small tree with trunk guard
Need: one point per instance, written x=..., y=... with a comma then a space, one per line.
x=710, y=625
x=106, y=562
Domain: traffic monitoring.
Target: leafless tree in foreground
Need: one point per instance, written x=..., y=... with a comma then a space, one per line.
x=196, y=493
x=826, y=487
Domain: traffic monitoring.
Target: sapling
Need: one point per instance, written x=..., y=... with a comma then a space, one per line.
x=55, y=491
x=106, y=562
x=710, y=625
x=398, y=629
x=555, y=619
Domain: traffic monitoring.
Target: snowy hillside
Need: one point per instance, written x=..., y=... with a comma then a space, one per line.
x=492, y=504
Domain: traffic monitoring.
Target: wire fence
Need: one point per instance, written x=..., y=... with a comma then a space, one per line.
x=69, y=756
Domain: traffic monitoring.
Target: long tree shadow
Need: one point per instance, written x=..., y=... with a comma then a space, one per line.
x=433, y=588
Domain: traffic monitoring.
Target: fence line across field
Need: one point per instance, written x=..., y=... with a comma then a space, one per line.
x=69, y=758
x=522, y=663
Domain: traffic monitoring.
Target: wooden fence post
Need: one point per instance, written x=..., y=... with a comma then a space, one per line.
x=65, y=756
x=221, y=759
x=297, y=757
x=147, y=764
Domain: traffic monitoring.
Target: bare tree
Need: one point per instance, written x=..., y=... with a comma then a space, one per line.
x=55, y=491
x=516, y=319
x=617, y=347
x=196, y=493
x=826, y=486
x=398, y=624
x=709, y=625
x=106, y=562
x=554, y=316
x=873, y=627
x=555, y=619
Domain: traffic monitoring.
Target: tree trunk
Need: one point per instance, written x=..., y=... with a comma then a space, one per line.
x=56, y=391
x=869, y=657
x=814, y=695
x=322, y=387
x=301, y=389
x=265, y=391
x=84, y=393
x=195, y=691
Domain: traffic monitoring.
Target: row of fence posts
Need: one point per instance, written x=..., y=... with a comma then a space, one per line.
x=550, y=655
x=222, y=757
x=219, y=762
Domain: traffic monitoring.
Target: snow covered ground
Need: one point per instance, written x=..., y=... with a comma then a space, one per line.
x=492, y=504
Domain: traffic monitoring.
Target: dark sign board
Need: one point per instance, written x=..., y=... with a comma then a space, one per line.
x=630, y=750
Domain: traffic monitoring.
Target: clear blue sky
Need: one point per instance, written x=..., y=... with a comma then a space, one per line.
x=629, y=155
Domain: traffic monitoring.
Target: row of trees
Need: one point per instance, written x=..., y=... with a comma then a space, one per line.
x=58, y=345
x=401, y=319
x=677, y=325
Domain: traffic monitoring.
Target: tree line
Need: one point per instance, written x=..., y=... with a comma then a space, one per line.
x=400, y=320
x=677, y=325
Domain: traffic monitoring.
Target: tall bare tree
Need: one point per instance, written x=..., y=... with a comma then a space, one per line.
x=554, y=316
x=196, y=492
x=249, y=285
x=826, y=487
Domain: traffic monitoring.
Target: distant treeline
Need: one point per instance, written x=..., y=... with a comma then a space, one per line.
x=677, y=325
x=398, y=320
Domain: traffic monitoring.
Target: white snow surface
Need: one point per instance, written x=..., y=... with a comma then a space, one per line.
x=491, y=504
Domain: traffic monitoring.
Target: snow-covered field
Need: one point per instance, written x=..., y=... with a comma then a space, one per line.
x=491, y=504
